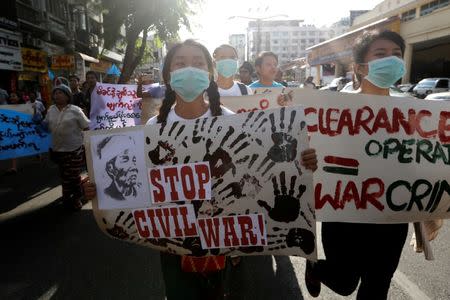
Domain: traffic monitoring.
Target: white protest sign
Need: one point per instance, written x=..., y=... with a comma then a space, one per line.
x=255, y=179
x=181, y=182
x=166, y=222
x=381, y=159
x=114, y=106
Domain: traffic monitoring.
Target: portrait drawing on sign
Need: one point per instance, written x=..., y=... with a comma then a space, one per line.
x=117, y=155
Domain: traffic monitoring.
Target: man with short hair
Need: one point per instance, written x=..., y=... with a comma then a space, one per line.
x=77, y=94
x=266, y=67
x=120, y=164
x=91, y=79
x=246, y=71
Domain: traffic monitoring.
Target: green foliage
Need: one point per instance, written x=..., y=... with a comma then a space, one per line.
x=163, y=17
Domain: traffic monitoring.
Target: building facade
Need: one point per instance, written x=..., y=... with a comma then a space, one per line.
x=57, y=38
x=238, y=41
x=288, y=39
x=424, y=25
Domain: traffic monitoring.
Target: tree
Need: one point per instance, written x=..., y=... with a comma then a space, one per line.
x=164, y=17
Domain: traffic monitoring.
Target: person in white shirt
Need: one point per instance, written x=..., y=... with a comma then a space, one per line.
x=226, y=62
x=66, y=123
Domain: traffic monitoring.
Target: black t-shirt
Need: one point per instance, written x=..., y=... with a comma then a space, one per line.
x=78, y=100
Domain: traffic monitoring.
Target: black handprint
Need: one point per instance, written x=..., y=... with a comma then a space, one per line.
x=286, y=206
x=163, y=152
x=248, y=186
x=284, y=147
x=119, y=231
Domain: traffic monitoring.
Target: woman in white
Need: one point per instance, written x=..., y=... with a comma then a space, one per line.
x=66, y=122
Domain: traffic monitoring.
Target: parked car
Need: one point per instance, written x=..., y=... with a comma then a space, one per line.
x=336, y=84
x=431, y=85
x=445, y=96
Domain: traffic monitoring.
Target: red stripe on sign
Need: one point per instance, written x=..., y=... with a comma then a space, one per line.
x=342, y=161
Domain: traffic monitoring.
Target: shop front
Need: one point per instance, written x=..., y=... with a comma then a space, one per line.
x=10, y=59
x=34, y=76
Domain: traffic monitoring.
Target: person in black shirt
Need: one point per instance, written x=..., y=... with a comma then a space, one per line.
x=91, y=79
x=77, y=94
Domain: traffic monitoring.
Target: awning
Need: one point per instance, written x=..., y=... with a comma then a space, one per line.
x=88, y=58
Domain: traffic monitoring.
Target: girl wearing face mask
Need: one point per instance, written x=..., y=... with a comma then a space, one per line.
x=226, y=62
x=192, y=93
x=359, y=251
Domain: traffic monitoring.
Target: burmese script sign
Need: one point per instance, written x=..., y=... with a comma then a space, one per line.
x=229, y=185
x=115, y=106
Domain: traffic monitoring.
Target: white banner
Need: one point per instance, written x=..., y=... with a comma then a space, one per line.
x=381, y=159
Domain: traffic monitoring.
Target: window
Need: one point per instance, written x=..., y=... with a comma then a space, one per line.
x=275, y=34
x=311, y=41
x=57, y=8
x=285, y=33
x=284, y=49
x=321, y=40
x=409, y=15
x=275, y=41
x=303, y=41
x=295, y=33
x=432, y=6
x=312, y=33
x=303, y=33
x=443, y=83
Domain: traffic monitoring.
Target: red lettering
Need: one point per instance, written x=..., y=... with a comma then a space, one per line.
x=151, y=216
x=363, y=123
x=186, y=171
x=346, y=121
x=164, y=222
x=230, y=231
x=203, y=177
x=422, y=133
x=321, y=201
x=171, y=175
x=398, y=118
x=210, y=231
x=189, y=228
x=373, y=196
x=139, y=220
x=443, y=127
x=174, y=213
x=309, y=110
x=330, y=120
x=350, y=194
x=264, y=103
x=247, y=235
x=158, y=195
x=382, y=121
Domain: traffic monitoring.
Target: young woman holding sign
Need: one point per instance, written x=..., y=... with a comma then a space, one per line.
x=359, y=251
x=226, y=62
x=191, y=93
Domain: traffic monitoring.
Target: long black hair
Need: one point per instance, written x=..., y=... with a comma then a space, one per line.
x=212, y=90
x=363, y=43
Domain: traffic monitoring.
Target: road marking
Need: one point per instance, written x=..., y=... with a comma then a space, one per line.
x=409, y=287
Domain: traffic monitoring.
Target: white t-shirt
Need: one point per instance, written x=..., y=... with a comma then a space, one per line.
x=173, y=117
x=66, y=127
x=234, y=90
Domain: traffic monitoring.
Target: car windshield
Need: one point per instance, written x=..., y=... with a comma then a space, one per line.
x=426, y=83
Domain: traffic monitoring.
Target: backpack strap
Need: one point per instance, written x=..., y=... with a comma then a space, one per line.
x=243, y=88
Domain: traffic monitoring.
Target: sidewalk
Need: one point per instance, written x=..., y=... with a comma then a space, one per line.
x=34, y=177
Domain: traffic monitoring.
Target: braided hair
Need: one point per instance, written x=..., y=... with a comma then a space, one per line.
x=170, y=96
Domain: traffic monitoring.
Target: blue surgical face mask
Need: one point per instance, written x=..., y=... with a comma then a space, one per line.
x=189, y=82
x=227, y=67
x=385, y=71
